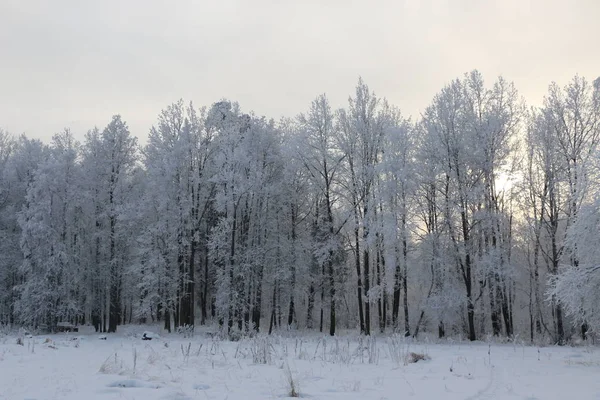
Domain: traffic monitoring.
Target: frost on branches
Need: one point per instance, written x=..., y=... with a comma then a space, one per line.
x=478, y=217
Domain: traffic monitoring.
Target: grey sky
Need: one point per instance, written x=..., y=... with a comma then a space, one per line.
x=76, y=63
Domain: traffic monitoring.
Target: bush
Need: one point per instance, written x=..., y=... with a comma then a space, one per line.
x=416, y=357
x=262, y=350
x=292, y=383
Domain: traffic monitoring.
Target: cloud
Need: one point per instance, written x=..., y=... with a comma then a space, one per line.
x=75, y=63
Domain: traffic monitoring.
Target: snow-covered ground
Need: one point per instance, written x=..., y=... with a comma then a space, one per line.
x=83, y=367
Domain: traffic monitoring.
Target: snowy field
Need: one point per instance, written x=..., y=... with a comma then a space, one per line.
x=83, y=367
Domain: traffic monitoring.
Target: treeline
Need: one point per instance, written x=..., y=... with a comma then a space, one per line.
x=480, y=217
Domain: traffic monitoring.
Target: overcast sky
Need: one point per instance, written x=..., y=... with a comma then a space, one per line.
x=76, y=63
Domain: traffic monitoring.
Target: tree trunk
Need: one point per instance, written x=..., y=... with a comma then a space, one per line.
x=232, y=282
x=468, y=279
x=310, y=305
x=322, y=298
x=331, y=297
x=366, y=269
x=189, y=286
x=273, y=305
x=114, y=304
x=361, y=315
x=506, y=309
x=405, y=285
x=257, y=306
x=167, y=320
x=494, y=314
x=291, y=308
x=396, y=294
x=379, y=299
x=204, y=293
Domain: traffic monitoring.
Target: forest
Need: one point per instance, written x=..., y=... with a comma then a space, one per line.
x=480, y=217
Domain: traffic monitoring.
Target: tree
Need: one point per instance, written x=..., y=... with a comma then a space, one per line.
x=108, y=159
x=322, y=160
x=22, y=159
x=576, y=287
x=363, y=127
x=457, y=223
x=245, y=244
x=568, y=131
x=177, y=160
x=9, y=235
x=396, y=193
x=50, y=242
x=470, y=129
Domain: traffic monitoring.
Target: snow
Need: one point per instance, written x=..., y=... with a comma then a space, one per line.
x=346, y=367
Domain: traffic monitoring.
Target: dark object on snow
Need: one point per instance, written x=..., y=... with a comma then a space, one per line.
x=66, y=327
x=148, y=335
x=96, y=321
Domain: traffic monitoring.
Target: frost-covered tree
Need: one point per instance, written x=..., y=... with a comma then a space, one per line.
x=363, y=127
x=469, y=128
x=108, y=160
x=51, y=272
x=21, y=158
x=294, y=189
x=320, y=155
x=395, y=196
x=9, y=249
x=178, y=204
x=576, y=287
x=462, y=222
x=568, y=132
x=245, y=244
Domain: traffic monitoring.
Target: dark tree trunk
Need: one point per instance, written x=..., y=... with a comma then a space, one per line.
x=188, y=300
x=249, y=308
x=468, y=279
x=366, y=268
x=332, y=297
x=279, y=306
x=380, y=314
x=361, y=315
x=232, y=283
x=506, y=309
x=96, y=321
x=322, y=299
x=494, y=313
x=273, y=305
x=256, y=307
x=554, y=216
x=114, y=314
x=331, y=271
x=584, y=330
x=204, y=293
x=405, y=272
x=291, y=308
x=167, y=320
x=559, y=324
x=396, y=295
x=310, y=306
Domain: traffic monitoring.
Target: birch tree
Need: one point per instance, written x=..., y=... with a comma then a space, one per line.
x=322, y=159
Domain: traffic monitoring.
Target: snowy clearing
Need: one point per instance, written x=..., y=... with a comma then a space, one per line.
x=80, y=366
